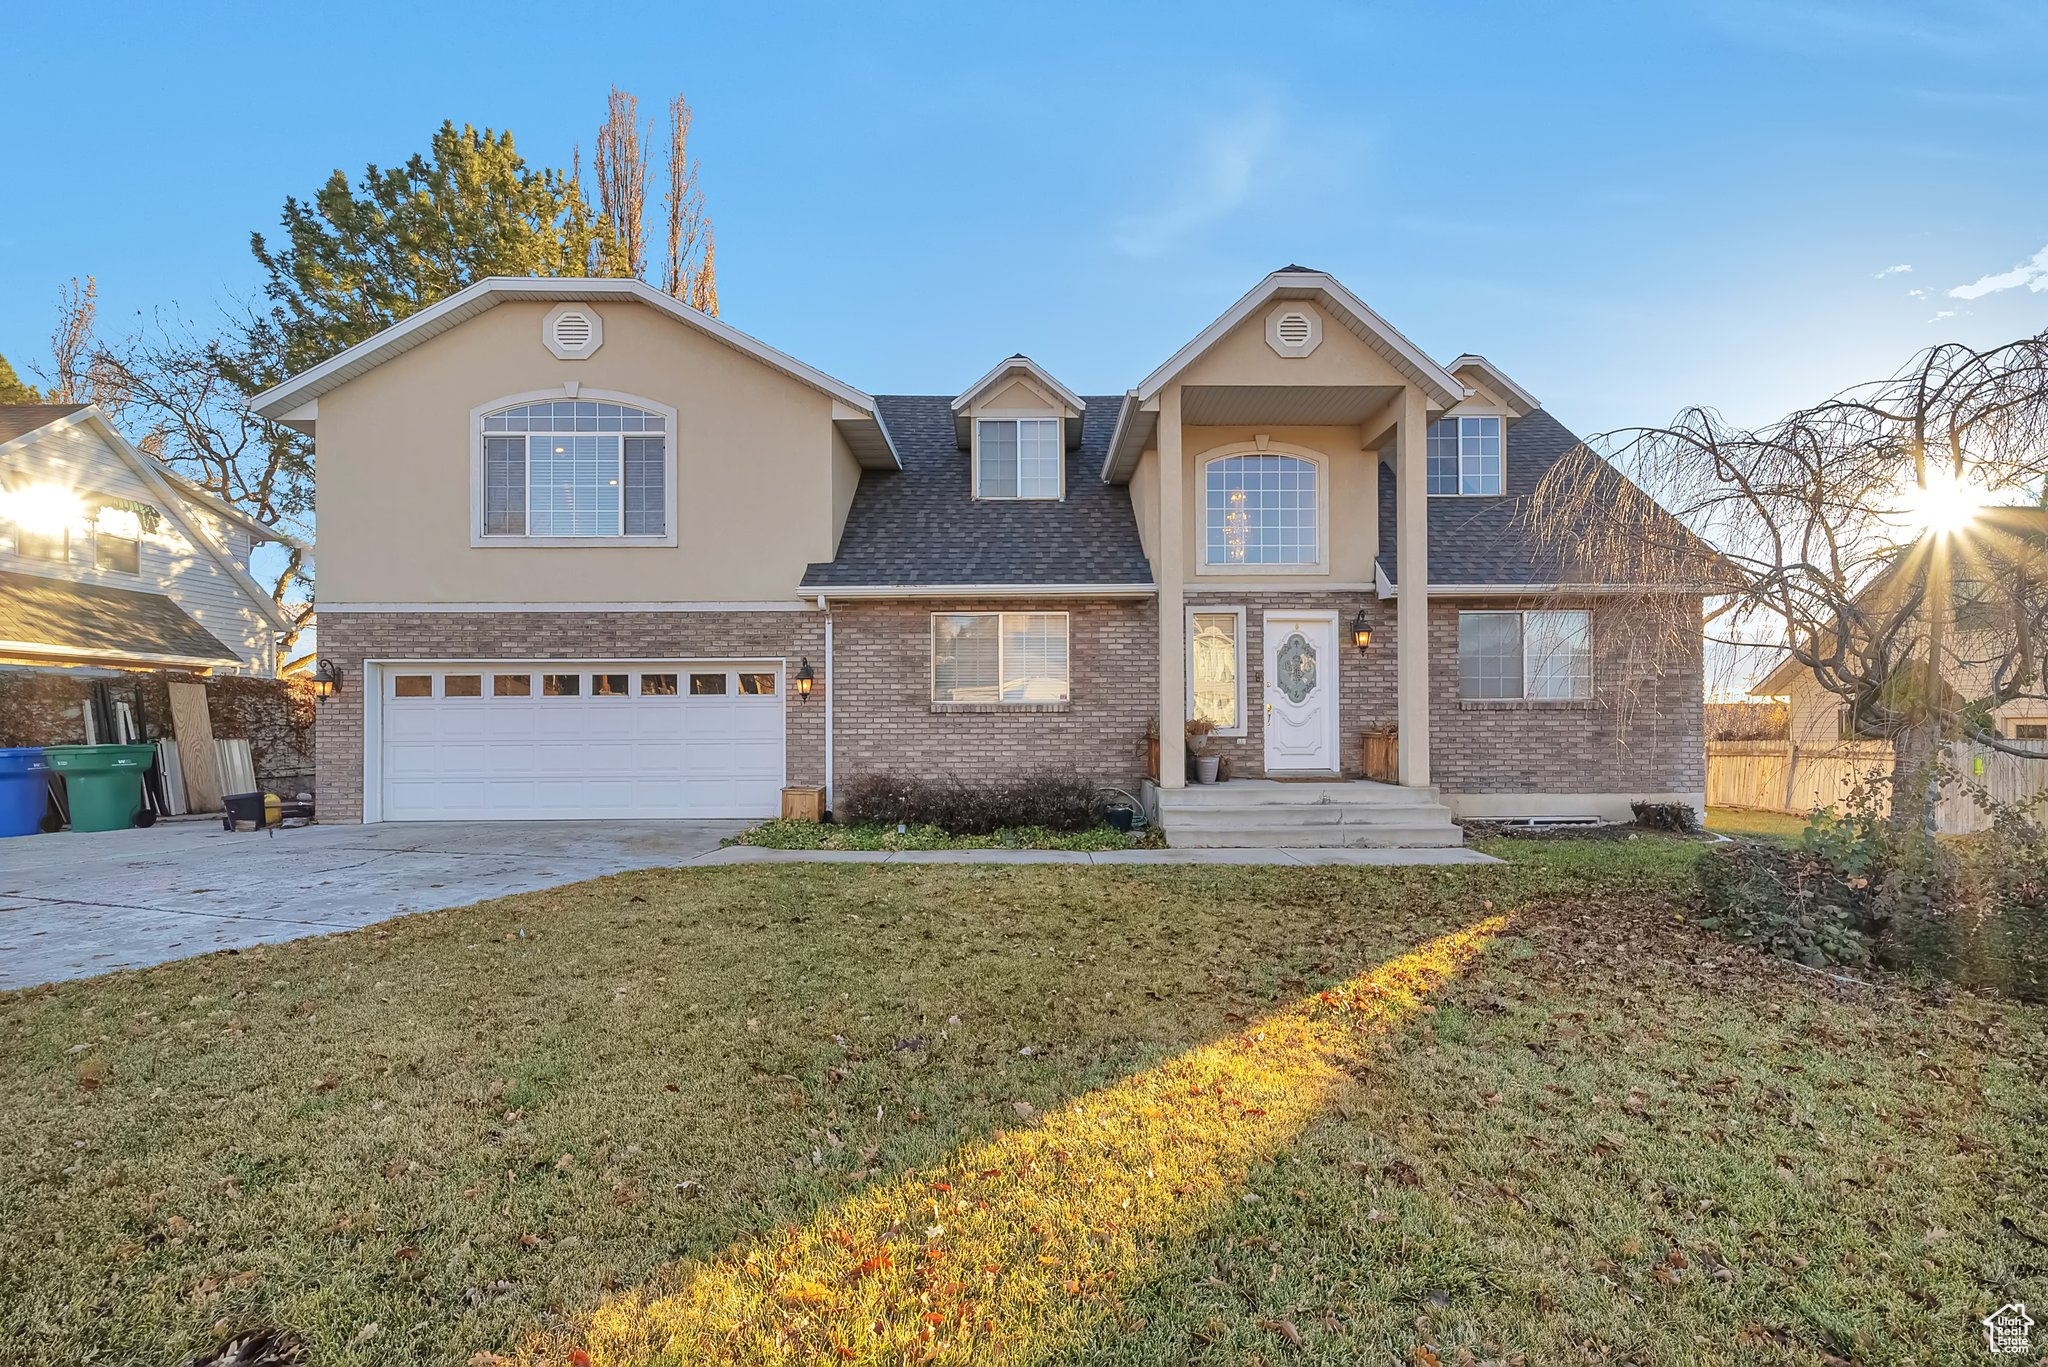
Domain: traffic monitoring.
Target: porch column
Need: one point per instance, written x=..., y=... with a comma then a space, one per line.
x=1169, y=564
x=1411, y=618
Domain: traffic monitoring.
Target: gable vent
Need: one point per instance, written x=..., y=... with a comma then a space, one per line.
x=1292, y=330
x=572, y=331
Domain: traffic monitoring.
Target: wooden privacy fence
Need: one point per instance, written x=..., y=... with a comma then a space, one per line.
x=1779, y=776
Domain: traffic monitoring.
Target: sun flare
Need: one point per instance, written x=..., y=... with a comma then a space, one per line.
x=1942, y=506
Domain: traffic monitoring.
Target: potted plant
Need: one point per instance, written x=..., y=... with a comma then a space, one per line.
x=1200, y=760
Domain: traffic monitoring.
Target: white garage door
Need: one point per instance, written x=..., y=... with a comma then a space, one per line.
x=542, y=740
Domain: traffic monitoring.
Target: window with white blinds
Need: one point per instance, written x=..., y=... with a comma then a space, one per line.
x=999, y=657
x=575, y=468
x=1019, y=458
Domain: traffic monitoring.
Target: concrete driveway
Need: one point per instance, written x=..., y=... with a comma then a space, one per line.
x=74, y=905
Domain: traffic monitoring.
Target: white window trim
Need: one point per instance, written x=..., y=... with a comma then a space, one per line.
x=932, y=665
x=670, y=463
x=1200, y=502
x=1524, y=615
x=1216, y=610
x=1505, y=418
x=1059, y=434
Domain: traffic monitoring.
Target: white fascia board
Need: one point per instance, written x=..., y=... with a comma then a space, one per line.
x=1013, y=365
x=860, y=591
x=282, y=400
x=1125, y=416
x=1443, y=386
x=1498, y=379
x=1391, y=590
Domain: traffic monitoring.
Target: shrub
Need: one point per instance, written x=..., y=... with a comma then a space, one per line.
x=1793, y=903
x=1055, y=799
x=1681, y=817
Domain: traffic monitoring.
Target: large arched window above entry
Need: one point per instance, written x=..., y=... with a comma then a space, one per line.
x=1262, y=509
x=570, y=471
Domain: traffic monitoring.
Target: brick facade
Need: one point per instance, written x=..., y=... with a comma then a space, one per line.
x=1642, y=732
x=882, y=709
x=349, y=638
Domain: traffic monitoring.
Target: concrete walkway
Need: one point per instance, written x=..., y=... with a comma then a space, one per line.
x=75, y=905
x=749, y=854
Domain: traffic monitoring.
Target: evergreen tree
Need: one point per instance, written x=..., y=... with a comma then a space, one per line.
x=358, y=258
x=12, y=388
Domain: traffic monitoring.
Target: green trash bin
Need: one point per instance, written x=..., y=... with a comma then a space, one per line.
x=103, y=782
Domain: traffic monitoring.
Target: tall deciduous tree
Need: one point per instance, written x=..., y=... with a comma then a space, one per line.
x=690, y=268
x=1848, y=529
x=359, y=257
x=78, y=372
x=622, y=180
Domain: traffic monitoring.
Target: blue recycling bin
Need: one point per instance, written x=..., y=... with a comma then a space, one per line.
x=24, y=790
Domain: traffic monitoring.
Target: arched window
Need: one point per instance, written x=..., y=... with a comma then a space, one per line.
x=575, y=468
x=1263, y=509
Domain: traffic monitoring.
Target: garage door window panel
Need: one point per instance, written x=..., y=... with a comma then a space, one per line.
x=561, y=685
x=511, y=685
x=462, y=686
x=412, y=686
x=757, y=685
x=707, y=685
x=657, y=685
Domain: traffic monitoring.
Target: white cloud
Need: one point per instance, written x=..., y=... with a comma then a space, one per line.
x=2033, y=274
x=1940, y=314
x=1219, y=183
x=1894, y=270
x=1916, y=294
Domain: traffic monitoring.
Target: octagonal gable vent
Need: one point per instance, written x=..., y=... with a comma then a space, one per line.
x=573, y=331
x=1293, y=330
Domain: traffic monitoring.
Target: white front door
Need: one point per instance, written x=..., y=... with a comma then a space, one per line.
x=1301, y=692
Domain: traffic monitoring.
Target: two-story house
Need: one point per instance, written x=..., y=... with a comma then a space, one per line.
x=587, y=552
x=109, y=558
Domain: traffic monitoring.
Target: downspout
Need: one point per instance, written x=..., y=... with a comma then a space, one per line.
x=830, y=695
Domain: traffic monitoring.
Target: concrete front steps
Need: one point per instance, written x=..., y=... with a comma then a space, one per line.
x=1268, y=814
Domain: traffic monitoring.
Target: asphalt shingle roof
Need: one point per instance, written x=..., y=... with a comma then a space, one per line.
x=102, y=622
x=921, y=526
x=19, y=419
x=1486, y=540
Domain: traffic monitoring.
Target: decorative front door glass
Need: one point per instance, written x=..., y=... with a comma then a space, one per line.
x=1297, y=672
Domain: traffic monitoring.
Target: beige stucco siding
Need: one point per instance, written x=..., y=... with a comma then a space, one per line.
x=1351, y=492
x=1243, y=357
x=762, y=484
x=1019, y=394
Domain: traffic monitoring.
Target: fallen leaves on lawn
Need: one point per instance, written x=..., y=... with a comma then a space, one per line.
x=1026, y=1237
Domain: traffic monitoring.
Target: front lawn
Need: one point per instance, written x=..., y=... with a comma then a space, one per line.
x=1023, y=1114
x=1750, y=822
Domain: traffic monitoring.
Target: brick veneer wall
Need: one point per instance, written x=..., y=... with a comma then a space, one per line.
x=348, y=638
x=1642, y=732
x=883, y=717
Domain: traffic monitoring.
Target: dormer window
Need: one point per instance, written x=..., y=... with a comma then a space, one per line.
x=1017, y=458
x=1466, y=456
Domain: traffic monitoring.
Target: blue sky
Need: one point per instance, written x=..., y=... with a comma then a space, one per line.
x=1630, y=208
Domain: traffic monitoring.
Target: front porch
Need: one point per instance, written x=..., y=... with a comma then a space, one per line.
x=1262, y=813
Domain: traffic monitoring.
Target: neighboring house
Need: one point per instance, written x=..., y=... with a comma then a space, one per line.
x=107, y=558
x=1996, y=541
x=579, y=543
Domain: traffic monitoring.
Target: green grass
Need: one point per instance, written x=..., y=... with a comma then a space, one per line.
x=816, y=835
x=1744, y=821
x=1248, y=1114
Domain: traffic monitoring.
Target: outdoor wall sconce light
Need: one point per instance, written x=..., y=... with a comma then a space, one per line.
x=326, y=680
x=805, y=680
x=1361, y=631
